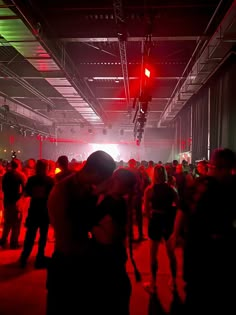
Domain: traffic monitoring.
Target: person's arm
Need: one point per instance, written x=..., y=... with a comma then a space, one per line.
x=51, y=183
x=178, y=226
x=105, y=227
x=105, y=231
x=23, y=180
x=179, y=223
x=56, y=202
x=28, y=188
x=175, y=197
x=147, y=201
x=102, y=188
x=23, y=183
x=4, y=182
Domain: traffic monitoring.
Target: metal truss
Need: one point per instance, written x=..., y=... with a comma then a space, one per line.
x=123, y=58
x=140, y=118
x=120, y=21
x=118, y=11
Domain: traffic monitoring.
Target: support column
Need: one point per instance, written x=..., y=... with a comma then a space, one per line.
x=191, y=132
x=175, y=149
x=180, y=137
x=209, y=125
x=40, y=147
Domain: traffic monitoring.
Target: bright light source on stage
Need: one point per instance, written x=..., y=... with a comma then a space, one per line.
x=111, y=149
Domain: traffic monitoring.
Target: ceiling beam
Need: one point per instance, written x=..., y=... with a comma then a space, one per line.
x=135, y=78
x=25, y=111
x=99, y=69
x=173, y=5
x=132, y=39
x=94, y=78
x=161, y=92
x=123, y=99
x=125, y=112
x=99, y=98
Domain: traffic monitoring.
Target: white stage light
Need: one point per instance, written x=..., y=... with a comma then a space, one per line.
x=111, y=149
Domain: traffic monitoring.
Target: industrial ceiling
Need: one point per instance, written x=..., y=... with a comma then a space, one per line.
x=73, y=64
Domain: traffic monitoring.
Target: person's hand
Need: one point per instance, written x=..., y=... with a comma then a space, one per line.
x=20, y=204
x=172, y=241
x=103, y=187
x=19, y=215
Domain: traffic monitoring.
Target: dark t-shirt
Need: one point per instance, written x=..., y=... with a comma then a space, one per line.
x=12, y=186
x=38, y=188
x=163, y=197
x=138, y=190
x=81, y=207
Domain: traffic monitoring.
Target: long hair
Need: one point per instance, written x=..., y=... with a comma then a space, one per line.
x=160, y=174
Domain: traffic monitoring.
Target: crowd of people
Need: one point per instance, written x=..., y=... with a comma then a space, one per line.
x=92, y=207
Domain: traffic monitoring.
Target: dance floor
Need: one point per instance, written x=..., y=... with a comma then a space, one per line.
x=22, y=292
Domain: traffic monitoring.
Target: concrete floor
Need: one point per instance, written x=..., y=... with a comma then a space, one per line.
x=22, y=292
